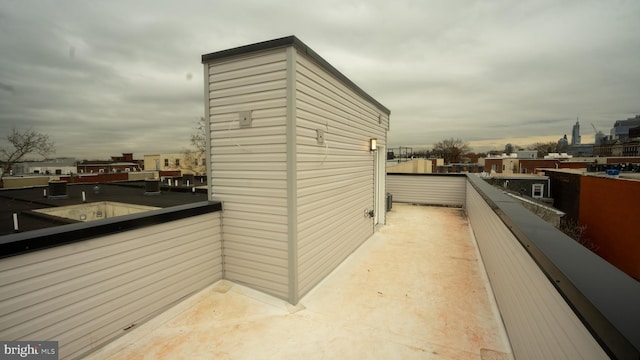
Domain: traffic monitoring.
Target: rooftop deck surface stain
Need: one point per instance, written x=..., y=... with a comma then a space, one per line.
x=415, y=290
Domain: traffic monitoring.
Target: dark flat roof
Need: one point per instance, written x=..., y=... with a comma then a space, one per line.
x=302, y=47
x=23, y=200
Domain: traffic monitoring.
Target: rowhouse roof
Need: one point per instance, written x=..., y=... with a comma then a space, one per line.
x=23, y=200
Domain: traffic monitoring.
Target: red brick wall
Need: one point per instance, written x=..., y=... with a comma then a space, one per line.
x=572, y=165
x=489, y=162
x=618, y=160
x=610, y=209
x=95, y=178
x=532, y=164
x=169, y=173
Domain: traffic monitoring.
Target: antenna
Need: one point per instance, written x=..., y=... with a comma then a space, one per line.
x=594, y=128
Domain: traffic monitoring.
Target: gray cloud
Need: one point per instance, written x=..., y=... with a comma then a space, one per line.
x=108, y=77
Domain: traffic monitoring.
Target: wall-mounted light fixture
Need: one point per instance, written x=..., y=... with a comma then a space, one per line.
x=373, y=144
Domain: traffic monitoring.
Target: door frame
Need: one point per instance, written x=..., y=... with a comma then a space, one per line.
x=380, y=186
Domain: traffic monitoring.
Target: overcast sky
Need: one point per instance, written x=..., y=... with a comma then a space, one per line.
x=106, y=77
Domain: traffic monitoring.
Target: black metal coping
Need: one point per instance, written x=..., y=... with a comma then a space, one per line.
x=302, y=47
x=428, y=174
x=605, y=299
x=20, y=243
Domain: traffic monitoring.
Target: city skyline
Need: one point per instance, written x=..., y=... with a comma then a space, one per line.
x=107, y=78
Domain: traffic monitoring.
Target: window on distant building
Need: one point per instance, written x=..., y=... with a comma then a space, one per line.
x=177, y=162
x=203, y=161
x=195, y=162
x=166, y=162
x=537, y=191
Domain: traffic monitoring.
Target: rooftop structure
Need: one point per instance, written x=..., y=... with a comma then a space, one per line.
x=297, y=157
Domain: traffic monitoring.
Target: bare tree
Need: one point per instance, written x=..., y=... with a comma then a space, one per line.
x=544, y=148
x=510, y=148
x=577, y=232
x=23, y=143
x=451, y=150
x=199, y=136
x=194, y=158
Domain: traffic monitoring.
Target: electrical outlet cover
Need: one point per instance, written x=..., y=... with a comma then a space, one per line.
x=320, y=136
x=245, y=119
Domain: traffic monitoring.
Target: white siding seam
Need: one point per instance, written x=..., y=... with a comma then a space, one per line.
x=207, y=125
x=292, y=193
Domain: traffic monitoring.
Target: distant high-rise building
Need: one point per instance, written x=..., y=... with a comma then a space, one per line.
x=620, y=129
x=575, y=133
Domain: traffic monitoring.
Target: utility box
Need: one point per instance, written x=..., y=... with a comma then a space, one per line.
x=58, y=190
x=152, y=186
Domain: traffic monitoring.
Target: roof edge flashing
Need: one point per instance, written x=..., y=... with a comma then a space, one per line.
x=291, y=40
x=603, y=297
x=247, y=49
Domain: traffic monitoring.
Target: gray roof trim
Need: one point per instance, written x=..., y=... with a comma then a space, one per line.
x=303, y=48
x=429, y=174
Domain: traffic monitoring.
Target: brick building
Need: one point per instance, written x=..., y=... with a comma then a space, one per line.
x=608, y=207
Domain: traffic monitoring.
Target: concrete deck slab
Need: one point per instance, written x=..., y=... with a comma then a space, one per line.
x=415, y=290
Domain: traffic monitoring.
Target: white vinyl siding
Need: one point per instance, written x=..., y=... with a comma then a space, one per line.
x=248, y=167
x=87, y=293
x=293, y=209
x=427, y=189
x=335, y=179
x=538, y=320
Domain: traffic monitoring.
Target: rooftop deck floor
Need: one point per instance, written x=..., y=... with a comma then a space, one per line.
x=415, y=290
